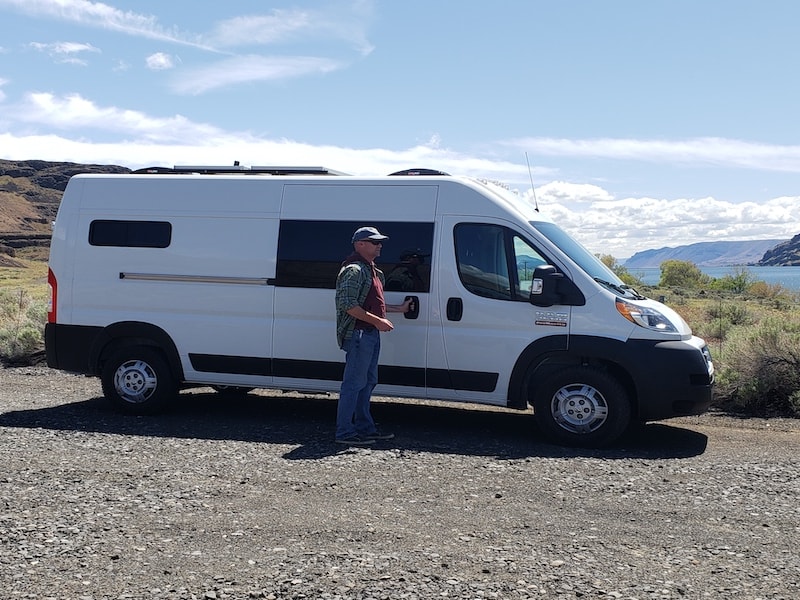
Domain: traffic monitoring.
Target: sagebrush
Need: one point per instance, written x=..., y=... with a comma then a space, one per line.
x=22, y=319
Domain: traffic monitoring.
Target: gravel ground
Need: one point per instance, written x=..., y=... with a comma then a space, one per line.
x=250, y=498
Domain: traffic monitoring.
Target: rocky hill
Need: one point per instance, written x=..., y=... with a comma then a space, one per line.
x=706, y=254
x=785, y=254
x=30, y=192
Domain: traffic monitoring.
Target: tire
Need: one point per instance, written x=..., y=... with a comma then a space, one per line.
x=582, y=406
x=137, y=380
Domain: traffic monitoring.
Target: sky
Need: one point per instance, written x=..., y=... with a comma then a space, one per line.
x=633, y=124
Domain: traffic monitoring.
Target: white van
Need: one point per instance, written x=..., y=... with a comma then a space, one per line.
x=225, y=277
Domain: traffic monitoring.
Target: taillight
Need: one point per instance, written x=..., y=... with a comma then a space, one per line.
x=51, y=306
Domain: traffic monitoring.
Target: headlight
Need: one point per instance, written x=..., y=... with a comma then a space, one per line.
x=709, y=362
x=649, y=318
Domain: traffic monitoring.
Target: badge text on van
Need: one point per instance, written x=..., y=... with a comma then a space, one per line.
x=551, y=318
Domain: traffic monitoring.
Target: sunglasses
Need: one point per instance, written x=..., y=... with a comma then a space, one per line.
x=374, y=242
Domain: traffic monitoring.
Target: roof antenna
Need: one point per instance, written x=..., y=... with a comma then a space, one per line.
x=533, y=189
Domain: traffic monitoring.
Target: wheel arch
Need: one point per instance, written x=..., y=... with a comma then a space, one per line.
x=134, y=333
x=546, y=355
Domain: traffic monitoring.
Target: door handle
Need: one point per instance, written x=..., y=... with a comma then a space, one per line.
x=413, y=309
x=455, y=309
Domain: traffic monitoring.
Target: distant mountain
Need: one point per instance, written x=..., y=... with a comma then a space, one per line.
x=785, y=254
x=706, y=254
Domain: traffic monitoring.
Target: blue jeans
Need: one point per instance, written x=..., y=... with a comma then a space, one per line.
x=360, y=378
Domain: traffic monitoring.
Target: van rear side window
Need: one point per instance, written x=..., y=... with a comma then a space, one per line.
x=130, y=234
x=310, y=253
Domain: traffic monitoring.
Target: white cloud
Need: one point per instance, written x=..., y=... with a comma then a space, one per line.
x=338, y=22
x=602, y=222
x=719, y=152
x=560, y=191
x=280, y=26
x=2, y=93
x=623, y=226
x=100, y=15
x=73, y=112
x=159, y=62
x=242, y=69
x=65, y=52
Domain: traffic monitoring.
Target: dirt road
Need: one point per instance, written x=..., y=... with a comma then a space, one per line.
x=250, y=498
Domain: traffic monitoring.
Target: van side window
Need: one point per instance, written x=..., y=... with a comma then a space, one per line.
x=482, y=260
x=310, y=253
x=494, y=262
x=130, y=234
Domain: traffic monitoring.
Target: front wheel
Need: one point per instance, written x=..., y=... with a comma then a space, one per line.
x=582, y=406
x=137, y=380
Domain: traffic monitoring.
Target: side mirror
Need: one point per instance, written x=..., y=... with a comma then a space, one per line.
x=544, y=286
x=549, y=287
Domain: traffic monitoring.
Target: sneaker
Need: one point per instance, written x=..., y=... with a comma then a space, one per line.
x=355, y=440
x=379, y=435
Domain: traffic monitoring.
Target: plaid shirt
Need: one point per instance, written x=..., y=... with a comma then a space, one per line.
x=352, y=287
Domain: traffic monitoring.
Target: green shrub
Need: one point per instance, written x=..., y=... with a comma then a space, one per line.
x=760, y=369
x=737, y=282
x=682, y=274
x=773, y=294
x=714, y=329
x=794, y=402
x=734, y=312
x=22, y=320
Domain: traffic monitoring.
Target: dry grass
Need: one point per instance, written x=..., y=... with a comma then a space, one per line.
x=31, y=278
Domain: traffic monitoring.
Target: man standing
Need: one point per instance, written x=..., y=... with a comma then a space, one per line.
x=360, y=317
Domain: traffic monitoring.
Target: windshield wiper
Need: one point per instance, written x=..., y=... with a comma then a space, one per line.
x=625, y=290
x=636, y=295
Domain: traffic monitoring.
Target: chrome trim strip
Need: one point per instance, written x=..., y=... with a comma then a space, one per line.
x=195, y=278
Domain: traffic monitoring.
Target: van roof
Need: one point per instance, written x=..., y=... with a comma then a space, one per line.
x=237, y=169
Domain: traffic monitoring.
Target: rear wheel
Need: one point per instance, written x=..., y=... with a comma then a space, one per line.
x=137, y=379
x=582, y=406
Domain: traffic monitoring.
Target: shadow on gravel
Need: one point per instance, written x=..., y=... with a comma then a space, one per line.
x=308, y=423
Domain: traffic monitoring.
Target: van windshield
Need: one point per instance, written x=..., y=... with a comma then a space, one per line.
x=587, y=261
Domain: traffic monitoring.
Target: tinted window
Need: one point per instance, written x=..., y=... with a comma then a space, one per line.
x=132, y=234
x=495, y=262
x=310, y=253
x=482, y=260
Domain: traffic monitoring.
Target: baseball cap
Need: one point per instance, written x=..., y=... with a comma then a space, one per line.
x=368, y=233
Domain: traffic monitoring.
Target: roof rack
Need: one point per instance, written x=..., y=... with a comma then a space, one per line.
x=236, y=169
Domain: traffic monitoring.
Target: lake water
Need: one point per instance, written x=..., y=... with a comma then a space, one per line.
x=788, y=277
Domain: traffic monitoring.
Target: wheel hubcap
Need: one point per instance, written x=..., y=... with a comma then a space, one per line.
x=579, y=408
x=135, y=381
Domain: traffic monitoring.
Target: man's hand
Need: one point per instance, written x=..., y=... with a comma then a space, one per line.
x=402, y=308
x=383, y=324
